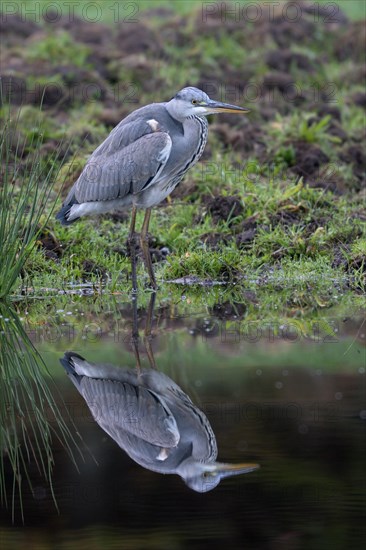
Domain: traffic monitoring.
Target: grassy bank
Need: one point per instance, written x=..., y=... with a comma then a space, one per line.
x=277, y=202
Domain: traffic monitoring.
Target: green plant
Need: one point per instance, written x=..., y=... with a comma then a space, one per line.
x=316, y=131
x=29, y=416
x=59, y=48
x=25, y=193
x=285, y=155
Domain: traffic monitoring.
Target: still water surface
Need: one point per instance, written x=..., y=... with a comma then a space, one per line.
x=289, y=399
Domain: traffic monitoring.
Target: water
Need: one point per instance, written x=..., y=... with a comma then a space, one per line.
x=288, y=396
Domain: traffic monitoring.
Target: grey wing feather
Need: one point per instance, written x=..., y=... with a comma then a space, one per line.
x=128, y=170
x=119, y=407
x=122, y=135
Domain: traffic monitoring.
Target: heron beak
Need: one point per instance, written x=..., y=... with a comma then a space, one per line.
x=218, y=107
x=227, y=470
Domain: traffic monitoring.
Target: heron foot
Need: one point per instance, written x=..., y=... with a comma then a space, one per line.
x=152, y=285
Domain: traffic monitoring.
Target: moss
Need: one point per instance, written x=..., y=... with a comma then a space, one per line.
x=58, y=48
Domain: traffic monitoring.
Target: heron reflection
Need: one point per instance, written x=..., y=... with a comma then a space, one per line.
x=152, y=420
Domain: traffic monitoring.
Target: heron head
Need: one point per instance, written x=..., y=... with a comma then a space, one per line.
x=204, y=477
x=194, y=102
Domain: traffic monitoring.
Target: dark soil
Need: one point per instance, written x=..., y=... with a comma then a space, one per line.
x=158, y=251
x=50, y=245
x=308, y=160
x=285, y=32
x=13, y=27
x=215, y=240
x=247, y=137
x=359, y=98
x=224, y=208
x=285, y=60
x=351, y=42
x=141, y=40
x=245, y=237
x=91, y=268
x=356, y=156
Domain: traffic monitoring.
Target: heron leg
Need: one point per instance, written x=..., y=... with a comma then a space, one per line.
x=147, y=336
x=132, y=247
x=145, y=248
x=135, y=334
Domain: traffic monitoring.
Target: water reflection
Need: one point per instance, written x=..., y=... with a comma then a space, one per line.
x=150, y=417
x=295, y=405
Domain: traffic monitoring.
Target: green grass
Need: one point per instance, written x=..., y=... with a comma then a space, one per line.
x=59, y=48
x=296, y=254
x=25, y=198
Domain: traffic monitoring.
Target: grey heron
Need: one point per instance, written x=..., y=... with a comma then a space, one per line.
x=142, y=161
x=152, y=420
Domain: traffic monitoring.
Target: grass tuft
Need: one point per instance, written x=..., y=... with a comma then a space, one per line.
x=26, y=193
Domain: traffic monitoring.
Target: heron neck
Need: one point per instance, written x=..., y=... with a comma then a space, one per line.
x=193, y=126
x=190, y=467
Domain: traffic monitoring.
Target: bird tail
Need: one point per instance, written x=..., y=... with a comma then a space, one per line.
x=69, y=366
x=63, y=215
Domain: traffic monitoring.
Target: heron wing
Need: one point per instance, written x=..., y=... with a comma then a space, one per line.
x=128, y=161
x=119, y=407
x=123, y=135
